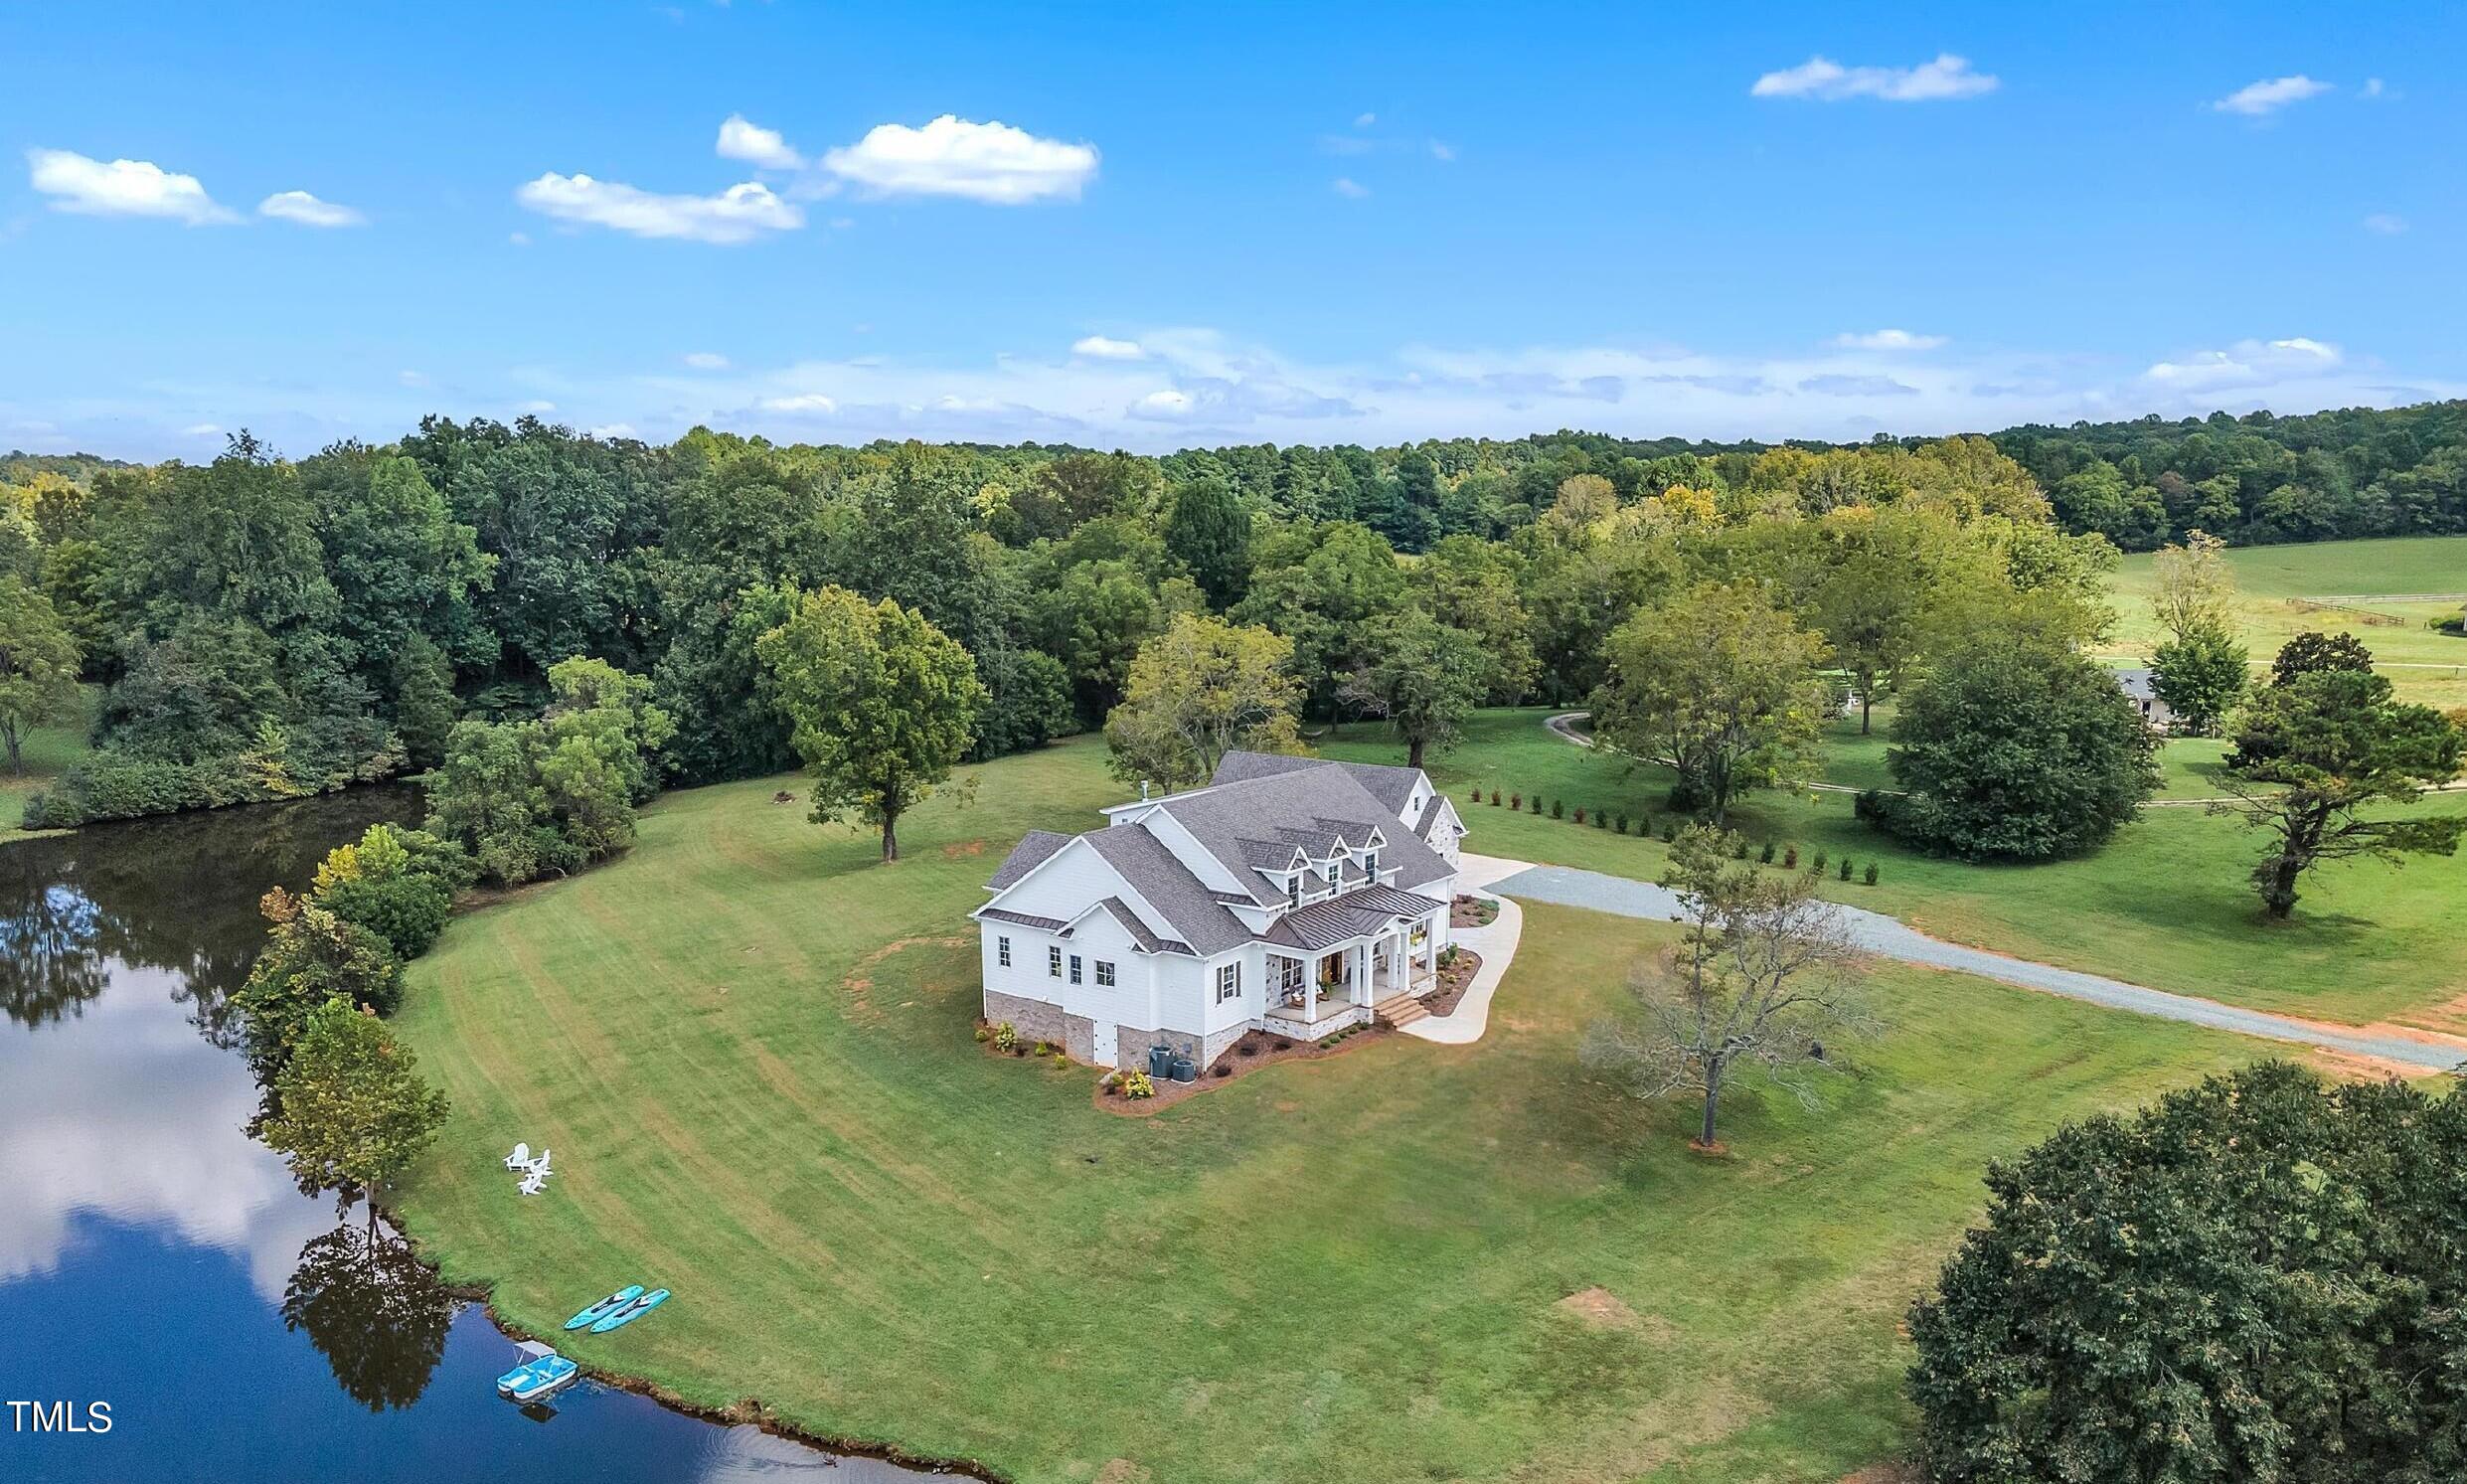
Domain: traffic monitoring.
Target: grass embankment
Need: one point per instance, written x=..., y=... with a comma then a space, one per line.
x=2384, y=592
x=48, y=752
x=2166, y=903
x=748, y=1045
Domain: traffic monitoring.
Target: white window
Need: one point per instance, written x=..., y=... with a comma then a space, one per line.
x=1332, y=873
x=1104, y=972
x=1075, y=968
x=1370, y=863
x=1002, y=951
x=1294, y=887
x=1289, y=973
x=1228, y=981
x=1053, y=963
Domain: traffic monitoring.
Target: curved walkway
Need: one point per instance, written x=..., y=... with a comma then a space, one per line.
x=1893, y=939
x=1497, y=942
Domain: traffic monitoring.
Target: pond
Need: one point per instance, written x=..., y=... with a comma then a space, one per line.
x=161, y=1274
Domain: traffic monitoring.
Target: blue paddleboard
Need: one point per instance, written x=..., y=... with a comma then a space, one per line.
x=631, y=1312
x=605, y=1306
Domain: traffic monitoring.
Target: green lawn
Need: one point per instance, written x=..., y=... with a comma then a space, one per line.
x=2282, y=588
x=747, y=1044
x=47, y=752
x=2165, y=904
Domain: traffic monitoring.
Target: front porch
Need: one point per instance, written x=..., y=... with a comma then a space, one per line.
x=1340, y=985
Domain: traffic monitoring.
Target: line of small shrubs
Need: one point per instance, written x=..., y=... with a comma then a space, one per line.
x=1769, y=853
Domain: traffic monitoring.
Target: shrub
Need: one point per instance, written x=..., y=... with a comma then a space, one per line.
x=1041, y=1048
x=1738, y=846
x=1246, y=1049
x=1579, y=816
x=1622, y=824
x=1764, y=857
x=1846, y=868
x=1537, y=803
x=1602, y=821
x=1136, y=1084
x=1670, y=831
x=1476, y=796
x=1790, y=859
x=1871, y=874
x=1494, y=798
x=1221, y=1068
x=1007, y=1037
x=984, y=1034
x=1554, y=809
x=1818, y=864
x=1516, y=801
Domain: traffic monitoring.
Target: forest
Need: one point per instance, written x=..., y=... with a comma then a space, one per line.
x=263, y=627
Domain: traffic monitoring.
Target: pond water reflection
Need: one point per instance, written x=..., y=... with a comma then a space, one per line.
x=156, y=1259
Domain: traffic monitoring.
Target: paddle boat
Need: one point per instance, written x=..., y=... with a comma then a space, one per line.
x=542, y=1374
x=631, y=1312
x=605, y=1307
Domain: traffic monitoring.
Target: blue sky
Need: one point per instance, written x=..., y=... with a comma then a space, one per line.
x=1157, y=227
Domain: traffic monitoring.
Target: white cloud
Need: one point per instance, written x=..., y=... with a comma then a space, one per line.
x=1346, y=186
x=535, y=407
x=742, y=139
x=1165, y=405
x=1948, y=77
x=707, y=361
x=2385, y=224
x=1364, y=120
x=607, y=430
x=739, y=214
x=123, y=188
x=412, y=377
x=951, y=156
x=1104, y=348
x=1445, y=153
x=2270, y=94
x=807, y=401
x=2373, y=88
x=308, y=210
x=200, y=430
x=2247, y=363
x=1888, y=340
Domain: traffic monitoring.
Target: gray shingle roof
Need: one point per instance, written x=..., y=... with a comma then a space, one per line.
x=1188, y=907
x=1026, y=855
x=1263, y=797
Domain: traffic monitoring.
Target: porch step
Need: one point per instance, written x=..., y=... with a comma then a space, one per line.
x=1400, y=1011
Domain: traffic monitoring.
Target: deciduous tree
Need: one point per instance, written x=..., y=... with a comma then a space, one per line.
x=37, y=666
x=1201, y=689
x=1423, y=677
x=1209, y=533
x=2201, y=675
x=1759, y=980
x=2193, y=585
x=884, y=704
x=1720, y=682
x=351, y=1109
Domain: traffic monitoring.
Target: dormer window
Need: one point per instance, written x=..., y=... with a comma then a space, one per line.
x=1294, y=889
x=1332, y=869
x=1371, y=865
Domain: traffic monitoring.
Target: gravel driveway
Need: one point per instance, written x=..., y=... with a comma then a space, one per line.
x=1892, y=938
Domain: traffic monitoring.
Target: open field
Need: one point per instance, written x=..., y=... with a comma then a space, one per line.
x=747, y=1044
x=48, y=750
x=2386, y=592
x=2165, y=904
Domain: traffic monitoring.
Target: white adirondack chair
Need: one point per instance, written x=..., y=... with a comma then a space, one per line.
x=533, y=1183
x=520, y=1159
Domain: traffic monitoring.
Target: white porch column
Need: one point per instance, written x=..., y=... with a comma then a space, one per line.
x=1310, y=991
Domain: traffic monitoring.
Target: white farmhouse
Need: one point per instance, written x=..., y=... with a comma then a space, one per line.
x=1291, y=895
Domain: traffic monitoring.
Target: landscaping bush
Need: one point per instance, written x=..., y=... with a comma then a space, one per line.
x=1246, y=1049
x=1738, y=846
x=1764, y=857
x=1818, y=865
x=1516, y=801
x=1221, y=1068
x=1580, y=816
x=1622, y=824
x=1554, y=809
x=1871, y=874
x=984, y=1034
x=1846, y=868
x=1136, y=1084
x=1790, y=859
x=1602, y=821
x=1494, y=798
x=1006, y=1037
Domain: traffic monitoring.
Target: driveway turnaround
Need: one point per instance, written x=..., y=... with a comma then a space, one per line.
x=1892, y=938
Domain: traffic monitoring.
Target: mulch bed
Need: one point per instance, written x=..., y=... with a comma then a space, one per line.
x=1473, y=912
x=1255, y=1050
x=1455, y=977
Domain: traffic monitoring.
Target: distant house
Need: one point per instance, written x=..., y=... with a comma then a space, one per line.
x=2139, y=689
x=1291, y=895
